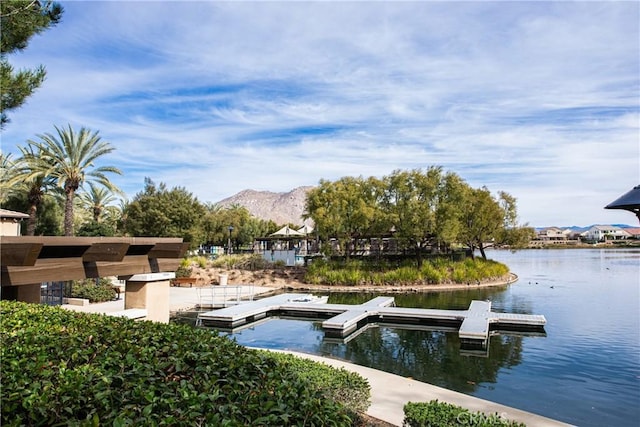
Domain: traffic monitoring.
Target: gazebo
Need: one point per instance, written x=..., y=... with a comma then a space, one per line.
x=629, y=201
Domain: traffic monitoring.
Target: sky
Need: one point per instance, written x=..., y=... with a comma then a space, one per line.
x=538, y=99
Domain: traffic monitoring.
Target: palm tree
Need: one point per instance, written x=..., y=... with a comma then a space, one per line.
x=74, y=154
x=35, y=179
x=97, y=200
x=8, y=176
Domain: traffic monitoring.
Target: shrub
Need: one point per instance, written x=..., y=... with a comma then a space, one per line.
x=431, y=273
x=99, y=291
x=403, y=275
x=242, y=261
x=68, y=368
x=183, y=271
x=341, y=385
x=200, y=261
x=441, y=414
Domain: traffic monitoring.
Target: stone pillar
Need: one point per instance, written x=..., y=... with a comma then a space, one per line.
x=25, y=293
x=150, y=292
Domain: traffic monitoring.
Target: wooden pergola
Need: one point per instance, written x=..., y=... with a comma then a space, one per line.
x=145, y=263
x=26, y=259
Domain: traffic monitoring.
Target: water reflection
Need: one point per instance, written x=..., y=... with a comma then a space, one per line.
x=586, y=371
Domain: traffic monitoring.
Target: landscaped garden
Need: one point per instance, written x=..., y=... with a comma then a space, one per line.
x=66, y=368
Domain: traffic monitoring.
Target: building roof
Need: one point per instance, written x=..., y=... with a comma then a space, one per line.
x=634, y=231
x=629, y=201
x=5, y=213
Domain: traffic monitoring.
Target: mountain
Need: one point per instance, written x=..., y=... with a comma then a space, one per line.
x=281, y=208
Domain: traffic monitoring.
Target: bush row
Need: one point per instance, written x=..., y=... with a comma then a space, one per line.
x=359, y=273
x=441, y=414
x=341, y=385
x=95, y=291
x=69, y=368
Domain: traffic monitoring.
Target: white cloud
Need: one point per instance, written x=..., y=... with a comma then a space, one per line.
x=538, y=99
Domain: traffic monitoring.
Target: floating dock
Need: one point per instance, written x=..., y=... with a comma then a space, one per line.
x=474, y=325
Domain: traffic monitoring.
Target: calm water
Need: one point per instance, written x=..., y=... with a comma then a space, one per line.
x=585, y=371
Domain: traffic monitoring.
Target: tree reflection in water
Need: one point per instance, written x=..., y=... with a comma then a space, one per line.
x=429, y=356
x=434, y=357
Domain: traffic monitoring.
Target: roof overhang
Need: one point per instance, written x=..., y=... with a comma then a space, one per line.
x=629, y=201
x=28, y=259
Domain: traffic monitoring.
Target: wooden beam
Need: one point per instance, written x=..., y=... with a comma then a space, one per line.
x=168, y=264
x=131, y=264
x=54, y=270
x=19, y=253
x=169, y=250
x=44, y=270
x=88, y=241
x=106, y=252
x=39, y=259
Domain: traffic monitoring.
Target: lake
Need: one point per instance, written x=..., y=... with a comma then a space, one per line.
x=585, y=371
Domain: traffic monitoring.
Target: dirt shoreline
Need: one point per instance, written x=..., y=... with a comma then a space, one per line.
x=293, y=279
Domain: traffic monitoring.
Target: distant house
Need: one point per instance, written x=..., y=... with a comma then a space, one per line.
x=601, y=233
x=634, y=232
x=10, y=222
x=552, y=235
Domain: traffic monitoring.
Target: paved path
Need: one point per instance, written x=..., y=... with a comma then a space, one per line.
x=180, y=299
x=389, y=392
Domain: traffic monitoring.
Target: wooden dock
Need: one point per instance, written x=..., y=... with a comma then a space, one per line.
x=474, y=324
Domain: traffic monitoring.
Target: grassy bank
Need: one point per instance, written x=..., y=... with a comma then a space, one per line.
x=432, y=272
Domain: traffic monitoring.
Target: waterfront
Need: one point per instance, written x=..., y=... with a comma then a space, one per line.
x=585, y=371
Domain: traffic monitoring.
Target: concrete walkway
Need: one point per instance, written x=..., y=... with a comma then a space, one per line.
x=389, y=392
x=182, y=299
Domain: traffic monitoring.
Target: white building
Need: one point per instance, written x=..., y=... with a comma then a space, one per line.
x=600, y=233
x=10, y=222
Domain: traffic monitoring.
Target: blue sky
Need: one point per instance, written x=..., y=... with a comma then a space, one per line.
x=539, y=99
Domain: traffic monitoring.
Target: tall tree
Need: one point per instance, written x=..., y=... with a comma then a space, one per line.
x=74, y=155
x=160, y=212
x=97, y=199
x=346, y=209
x=9, y=176
x=35, y=180
x=482, y=221
x=412, y=201
x=450, y=207
x=20, y=20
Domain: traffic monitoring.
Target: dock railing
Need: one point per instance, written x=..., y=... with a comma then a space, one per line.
x=219, y=296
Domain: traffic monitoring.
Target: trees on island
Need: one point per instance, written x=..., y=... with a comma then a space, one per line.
x=421, y=209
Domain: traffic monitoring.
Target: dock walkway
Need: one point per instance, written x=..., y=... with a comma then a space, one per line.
x=474, y=324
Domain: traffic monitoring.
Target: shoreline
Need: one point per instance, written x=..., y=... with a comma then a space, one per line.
x=291, y=279
x=449, y=287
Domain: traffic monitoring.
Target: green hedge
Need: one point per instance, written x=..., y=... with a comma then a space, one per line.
x=341, y=385
x=67, y=368
x=94, y=292
x=439, y=414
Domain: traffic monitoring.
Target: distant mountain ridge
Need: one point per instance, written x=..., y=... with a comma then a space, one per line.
x=281, y=208
x=579, y=229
